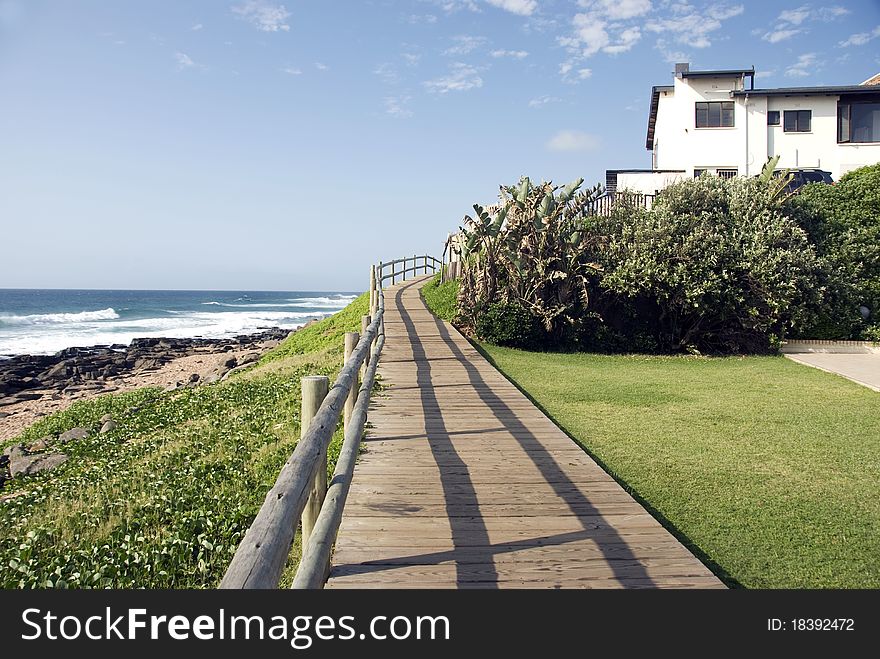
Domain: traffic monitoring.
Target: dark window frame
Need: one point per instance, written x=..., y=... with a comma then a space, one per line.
x=714, y=114
x=844, y=110
x=799, y=124
x=771, y=114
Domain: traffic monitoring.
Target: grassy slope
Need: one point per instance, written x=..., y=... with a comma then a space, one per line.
x=768, y=468
x=441, y=298
x=163, y=500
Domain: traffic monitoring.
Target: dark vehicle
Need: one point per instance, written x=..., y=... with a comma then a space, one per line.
x=800, y=177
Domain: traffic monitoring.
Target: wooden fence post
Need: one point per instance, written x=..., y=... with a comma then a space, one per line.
x=372, y=289
x=351, y=341
x=314, y=389
x=365, y=323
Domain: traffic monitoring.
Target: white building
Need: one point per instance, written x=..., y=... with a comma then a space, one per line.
x=717, y=122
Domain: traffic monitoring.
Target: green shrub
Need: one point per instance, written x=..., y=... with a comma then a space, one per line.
x=843, y=221
x=720, y=265
x=508, y=324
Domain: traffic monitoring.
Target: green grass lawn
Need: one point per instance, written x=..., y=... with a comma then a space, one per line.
x=441, y=298
x=163, y=500
x=768, y=470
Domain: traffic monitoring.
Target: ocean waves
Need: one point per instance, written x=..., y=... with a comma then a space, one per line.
x=58, y=318
x=137, y=314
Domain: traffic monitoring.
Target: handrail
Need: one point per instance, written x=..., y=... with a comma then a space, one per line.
x=263, y=552
x=434, y=265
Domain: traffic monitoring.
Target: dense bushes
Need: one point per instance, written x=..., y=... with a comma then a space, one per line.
x=843, y=221
x=716, y=266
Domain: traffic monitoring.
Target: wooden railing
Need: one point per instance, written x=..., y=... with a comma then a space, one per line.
x=604, y=204
x=301, y=491
x=427, y=262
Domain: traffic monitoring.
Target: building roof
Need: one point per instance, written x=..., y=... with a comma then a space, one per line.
x=722, y=73
x=809, y=91
x=652, y=114
x=873, y=80
x=645, y=171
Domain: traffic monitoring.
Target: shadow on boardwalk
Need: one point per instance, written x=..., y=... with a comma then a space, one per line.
x=466, y=484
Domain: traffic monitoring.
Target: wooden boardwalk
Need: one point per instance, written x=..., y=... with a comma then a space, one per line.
x=466, y=484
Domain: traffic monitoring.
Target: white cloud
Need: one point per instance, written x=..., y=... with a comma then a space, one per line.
x=795, y=16
x=775, y=36
x=396, y=106
x=184, y=61
x=463, y=44
x=767, y=73
x=416, y=19
x=792, y=22
x=671, y=56
x=615, y=10
x=321, y=66
x=411, y=59
x=861, y=38
x=197, y=27
x=292, y=71
x=804, y=66
x=450, y=6
x=541, y=101
x=625, y=41
x=572, y=73
x=387, y=73
x=573, y=140
x=514, y=54
x=519, y=7
x=589, y=35
x=692, y=27
x=461, y=77
x=263, y=15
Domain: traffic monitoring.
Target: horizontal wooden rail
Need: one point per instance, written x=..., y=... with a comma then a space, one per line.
x=263, y=552
x=260, y=558
x=313, y=568
x=420, y=262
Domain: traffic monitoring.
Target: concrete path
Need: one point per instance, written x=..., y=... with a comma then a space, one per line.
x=861, y=368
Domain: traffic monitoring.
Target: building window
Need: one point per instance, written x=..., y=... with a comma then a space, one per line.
x=773, y=118
x=858, y=122
x=727, y=173
x=798, y=121
x=717, y=114
x=699, y=172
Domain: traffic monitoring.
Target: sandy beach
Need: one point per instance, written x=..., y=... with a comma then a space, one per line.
x=203, y=363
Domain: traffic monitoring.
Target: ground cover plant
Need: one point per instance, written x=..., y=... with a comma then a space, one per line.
x=163, y=500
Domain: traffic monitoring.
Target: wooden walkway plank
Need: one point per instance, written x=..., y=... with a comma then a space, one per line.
x=466, y=484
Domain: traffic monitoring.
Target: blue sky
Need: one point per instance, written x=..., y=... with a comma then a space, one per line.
x=254, y=144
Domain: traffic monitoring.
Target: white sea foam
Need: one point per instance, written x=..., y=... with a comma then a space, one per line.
x=52, y=338
x=59, y=318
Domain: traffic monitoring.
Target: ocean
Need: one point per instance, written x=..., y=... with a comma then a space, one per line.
x=34, y=321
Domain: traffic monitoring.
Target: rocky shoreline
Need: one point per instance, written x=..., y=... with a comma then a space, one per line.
x=32, y=386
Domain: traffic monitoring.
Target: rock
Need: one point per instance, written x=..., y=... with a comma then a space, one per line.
x=41, y=444
x=72, y=434
x=14, y=451
x=211, y=378
x=172, y=387
x=9, y=400
x=27, y=465
x=108, y=426
x=232, y=362
x=3, y=415
x=194, y=377
x=106, y=418
x=249, y=358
